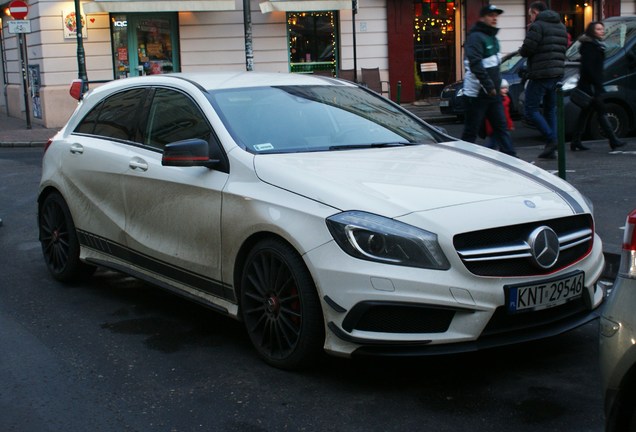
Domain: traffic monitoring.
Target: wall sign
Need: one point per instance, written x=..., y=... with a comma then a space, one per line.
x=70, y=24
x=19, y=26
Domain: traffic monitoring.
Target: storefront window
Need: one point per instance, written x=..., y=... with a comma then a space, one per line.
x=312, y=42
x=119, y=36
x=434, y=38
x=144, y=44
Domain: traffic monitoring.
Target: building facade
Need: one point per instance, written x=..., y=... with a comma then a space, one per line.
x=411, y=42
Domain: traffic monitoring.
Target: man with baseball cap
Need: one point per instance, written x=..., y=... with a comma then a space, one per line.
x=490, y=9
x=482, y=82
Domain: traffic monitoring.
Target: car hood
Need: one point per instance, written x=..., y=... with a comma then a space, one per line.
x=401, y=180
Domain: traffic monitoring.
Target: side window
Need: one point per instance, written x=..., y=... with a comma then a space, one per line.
x=87, y=125
x=174, y=117
x=118, y=116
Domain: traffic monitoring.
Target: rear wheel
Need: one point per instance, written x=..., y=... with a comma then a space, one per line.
x=280, y=306
x=58, y=238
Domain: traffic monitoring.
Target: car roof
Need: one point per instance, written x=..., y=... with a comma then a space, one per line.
x=219, y=80
x=225, y=80
x=620, y=18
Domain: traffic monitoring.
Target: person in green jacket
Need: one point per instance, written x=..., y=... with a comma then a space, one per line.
x=482, y=82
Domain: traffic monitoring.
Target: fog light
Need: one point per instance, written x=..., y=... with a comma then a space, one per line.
x=608, y=327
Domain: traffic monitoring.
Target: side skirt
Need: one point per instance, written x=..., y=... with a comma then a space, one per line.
x=144, y=267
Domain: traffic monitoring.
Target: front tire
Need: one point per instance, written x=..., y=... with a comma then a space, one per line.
x=618, y=120
x=58, y=238
x=280, y=306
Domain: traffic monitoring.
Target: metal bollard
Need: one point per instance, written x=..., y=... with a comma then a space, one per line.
x=399, y=92
x=560, y=131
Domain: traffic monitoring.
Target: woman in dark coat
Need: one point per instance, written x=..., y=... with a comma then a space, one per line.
x=592, y=52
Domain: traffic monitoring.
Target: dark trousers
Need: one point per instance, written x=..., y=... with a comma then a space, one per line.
x=538, y=92
x=598, y=106
x=477, y=109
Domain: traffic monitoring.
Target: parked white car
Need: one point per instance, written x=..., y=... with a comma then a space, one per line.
x=319, y=213
x=617, y=340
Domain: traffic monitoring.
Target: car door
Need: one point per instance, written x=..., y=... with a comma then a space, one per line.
x=173, y=213
x=96, y=156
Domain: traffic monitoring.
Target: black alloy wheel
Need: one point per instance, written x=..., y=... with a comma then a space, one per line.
x=280, y=306
x=58, y=238
x=618, y=119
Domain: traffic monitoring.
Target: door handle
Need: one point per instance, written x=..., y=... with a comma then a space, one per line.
x=77, y=148
x=138, y=164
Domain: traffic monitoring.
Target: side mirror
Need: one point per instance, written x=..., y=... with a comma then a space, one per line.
x=77, y=89
x=186, y=153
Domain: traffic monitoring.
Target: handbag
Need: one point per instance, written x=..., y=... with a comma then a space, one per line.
x=580, y=98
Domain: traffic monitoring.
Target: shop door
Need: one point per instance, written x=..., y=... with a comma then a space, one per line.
x=434, y=40
x=144, y=44
x=573, y=16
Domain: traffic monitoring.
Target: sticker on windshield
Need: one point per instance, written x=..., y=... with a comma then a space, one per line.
x=263, y=147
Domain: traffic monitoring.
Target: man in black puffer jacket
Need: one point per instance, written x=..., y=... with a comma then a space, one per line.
x=544, y=46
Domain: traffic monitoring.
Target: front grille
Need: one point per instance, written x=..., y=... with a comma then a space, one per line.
x=504, y=251
x=398, y=318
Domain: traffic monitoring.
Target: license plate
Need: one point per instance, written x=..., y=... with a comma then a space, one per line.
x=444, y=103
x=547, y=294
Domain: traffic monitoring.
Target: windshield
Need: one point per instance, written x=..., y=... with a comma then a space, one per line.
x=508, y=63
x=617, y=33
x=315, y=118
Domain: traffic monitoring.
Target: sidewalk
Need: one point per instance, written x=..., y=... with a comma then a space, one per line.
x=14, y=132
x=608, y=180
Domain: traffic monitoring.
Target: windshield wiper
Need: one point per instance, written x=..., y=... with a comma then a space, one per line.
x=370, y=145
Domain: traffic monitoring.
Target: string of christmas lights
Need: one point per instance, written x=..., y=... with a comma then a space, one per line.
x=434, y=16
x=297, y=25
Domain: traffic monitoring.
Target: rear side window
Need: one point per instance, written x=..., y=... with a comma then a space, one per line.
x=116, y=117
x=87, y=125
x=174, y=117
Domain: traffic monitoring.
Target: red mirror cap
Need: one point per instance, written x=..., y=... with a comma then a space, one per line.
x=76, y=89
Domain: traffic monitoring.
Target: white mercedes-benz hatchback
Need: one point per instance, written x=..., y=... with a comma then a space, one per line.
x=319, y=213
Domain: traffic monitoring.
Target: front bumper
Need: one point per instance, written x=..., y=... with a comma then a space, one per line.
x=375, y=309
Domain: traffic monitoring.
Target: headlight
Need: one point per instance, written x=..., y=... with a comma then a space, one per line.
x=460, y=92
x=570, y=83
x=376, y=238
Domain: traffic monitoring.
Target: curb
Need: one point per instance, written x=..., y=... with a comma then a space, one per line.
x=23, y=144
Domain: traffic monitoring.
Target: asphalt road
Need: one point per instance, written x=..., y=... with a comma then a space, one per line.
x=115, y=354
